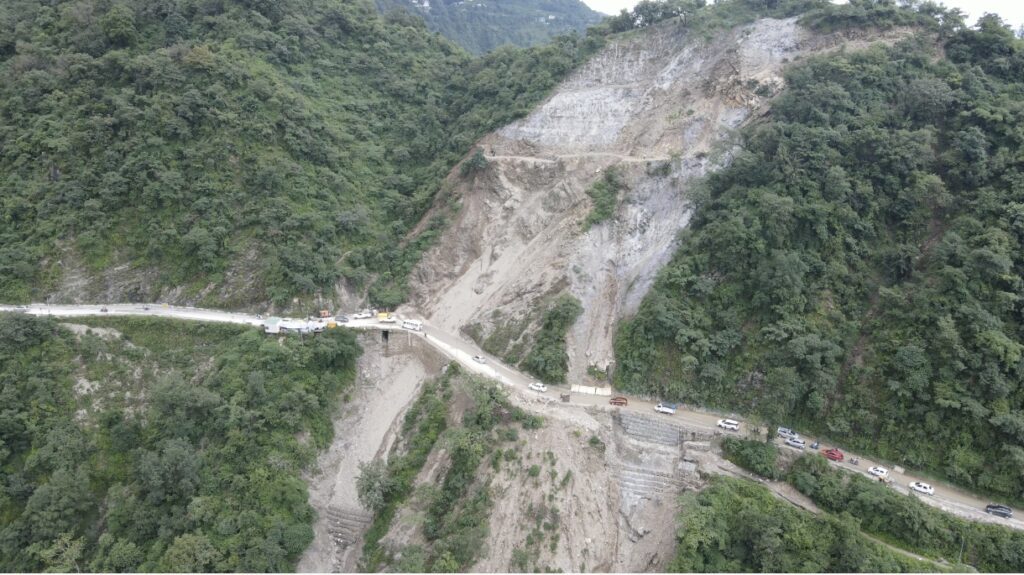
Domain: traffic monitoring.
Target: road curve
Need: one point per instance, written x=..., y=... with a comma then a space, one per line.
x=947, y=498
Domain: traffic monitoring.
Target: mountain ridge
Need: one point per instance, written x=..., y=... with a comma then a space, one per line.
x=484, y=25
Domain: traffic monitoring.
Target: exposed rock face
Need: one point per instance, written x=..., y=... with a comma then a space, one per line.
x=661, y=108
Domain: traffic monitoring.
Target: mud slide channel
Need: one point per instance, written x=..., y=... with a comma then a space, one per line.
x=388, y=381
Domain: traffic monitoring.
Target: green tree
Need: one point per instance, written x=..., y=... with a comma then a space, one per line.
x=374, y=484
x=191, y=553
x=118, y=26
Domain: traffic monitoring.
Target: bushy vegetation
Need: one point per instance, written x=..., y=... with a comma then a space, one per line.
x=703, y=17
x=168, y=446
x=905, y=520
x=547, y=358
x=879, y=14
x=484, y=26
x=736, y=526
x=294, y=142
x=604, y=194
x=857, y=270
x=760, y=457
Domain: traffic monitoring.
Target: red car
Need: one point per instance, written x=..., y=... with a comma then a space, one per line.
x=833, y=454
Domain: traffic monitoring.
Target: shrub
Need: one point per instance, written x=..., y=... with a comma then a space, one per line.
x=756, y=456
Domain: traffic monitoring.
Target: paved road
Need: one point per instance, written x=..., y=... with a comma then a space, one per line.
x=946, y=497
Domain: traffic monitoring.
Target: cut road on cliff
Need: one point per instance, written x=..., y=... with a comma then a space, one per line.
x=947, y=498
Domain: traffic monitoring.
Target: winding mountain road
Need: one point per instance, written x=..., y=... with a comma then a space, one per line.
x=947, y=498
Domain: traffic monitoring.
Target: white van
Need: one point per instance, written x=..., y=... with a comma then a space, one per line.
x=412, y=324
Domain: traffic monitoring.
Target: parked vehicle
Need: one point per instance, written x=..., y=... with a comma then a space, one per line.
x=619, y=401
x=833, y=454
x=922, y=487
x=854, y=461
x=729, y=424
x=787, y=433
x=103, y=309
x=324, y=314
x=341, y=318
x=666, y=408
x=538, y=386
x=878, y=471
x=413, y=325
x=999, y=510
x=479, y=359
x=815, y=445
x=796, y=443
x=365, y=314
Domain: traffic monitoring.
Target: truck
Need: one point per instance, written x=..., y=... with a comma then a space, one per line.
x=666, y=408
x=272, y=325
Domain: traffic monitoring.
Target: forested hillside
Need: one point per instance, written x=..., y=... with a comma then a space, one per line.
x=857, y=270
x=234, y=152
x=483, y=25
x=155, y=445
x=736, y=526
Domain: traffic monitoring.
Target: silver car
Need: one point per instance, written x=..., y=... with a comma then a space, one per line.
x=796, y=443
x=787, y=433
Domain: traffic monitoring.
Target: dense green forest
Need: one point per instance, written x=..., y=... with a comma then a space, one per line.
x=736, y=526
x=856, y=270
x=483, y=25
x=266, y=149
x=897, y=518
x=154, y=445
x=905, y=520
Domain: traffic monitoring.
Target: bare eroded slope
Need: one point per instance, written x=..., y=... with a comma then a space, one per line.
x=662, y=106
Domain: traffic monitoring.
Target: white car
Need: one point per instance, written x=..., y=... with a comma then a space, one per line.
x=537, y=386
x=879, y=472
x=666, y=408
x=922, y=488
x=729, y=424
x=479, y=359
x=362, y=315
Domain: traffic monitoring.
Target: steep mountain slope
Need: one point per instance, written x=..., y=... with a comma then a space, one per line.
x=659, y=108
x=233, y=152
x=857, y=269
x=483, y=25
